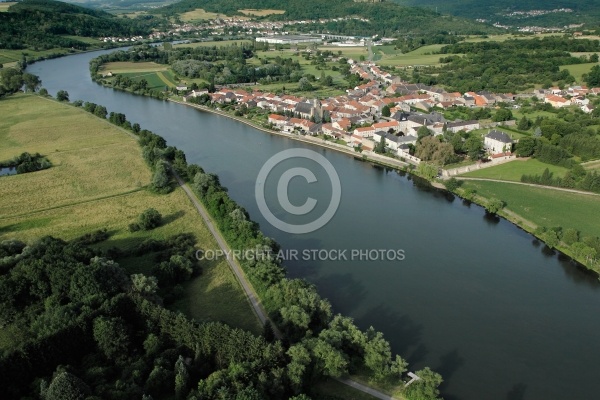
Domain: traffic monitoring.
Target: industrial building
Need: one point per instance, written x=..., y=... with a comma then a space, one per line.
x=289, y=39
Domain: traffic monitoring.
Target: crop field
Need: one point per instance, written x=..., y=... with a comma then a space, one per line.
x=98, y=180
x=125, y=66
x=592, y=165
x=577, y=70
x=157, y=75
x=198, y=15
x=545, y=207
x=156, y=80
x=507, y=36
x=260, y=13
x=512, y=171
x=4, y=6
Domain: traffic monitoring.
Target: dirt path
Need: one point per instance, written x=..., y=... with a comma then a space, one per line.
x=233, y=264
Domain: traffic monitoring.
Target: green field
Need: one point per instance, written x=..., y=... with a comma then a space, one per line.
x=7, y=56
x=88, y=40
x=518, y=114
x=512, y=171
x=126, y=66
x=431, y=49
x=98, y=180
x=353, y=52
x=545, y=207
x=411, y=59
x=577, y=70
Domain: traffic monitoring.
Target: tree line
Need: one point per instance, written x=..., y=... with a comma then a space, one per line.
x=509, y=66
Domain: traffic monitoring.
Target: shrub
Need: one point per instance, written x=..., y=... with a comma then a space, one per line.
x=452, y=184
x=150, y=219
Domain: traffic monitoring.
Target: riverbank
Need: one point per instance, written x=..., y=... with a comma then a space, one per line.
x=531, y=227
x=364, y=155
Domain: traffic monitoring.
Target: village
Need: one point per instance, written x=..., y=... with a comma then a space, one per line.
x=357, y=118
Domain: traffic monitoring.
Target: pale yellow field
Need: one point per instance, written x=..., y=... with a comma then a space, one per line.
x=98, y=180
x=507, y=36
x=125, y=66
x=260, y=13
x=4, y=6
x=199, y=14
x=592, y=165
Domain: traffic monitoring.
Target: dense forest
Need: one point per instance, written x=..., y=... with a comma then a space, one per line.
x=584, y=11
x=43, y=24
x=88, y=329
x=386, y=19
x=509, y=66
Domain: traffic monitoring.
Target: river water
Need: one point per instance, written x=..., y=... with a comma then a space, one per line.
x=475, y=298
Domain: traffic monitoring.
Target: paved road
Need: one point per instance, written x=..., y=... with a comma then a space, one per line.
x=528, y=184
x=250, y=293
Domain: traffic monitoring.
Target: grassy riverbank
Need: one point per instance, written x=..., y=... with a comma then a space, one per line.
x=98, y=180
x=513, y=171
x=537, y=209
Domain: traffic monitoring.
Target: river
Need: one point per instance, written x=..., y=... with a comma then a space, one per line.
x=475, y=298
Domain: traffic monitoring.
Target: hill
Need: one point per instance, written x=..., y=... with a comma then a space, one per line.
x=44, y=24
x=583, y=11
x=385, y=18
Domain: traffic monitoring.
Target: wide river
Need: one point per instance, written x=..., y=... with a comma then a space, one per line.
x=476, y=299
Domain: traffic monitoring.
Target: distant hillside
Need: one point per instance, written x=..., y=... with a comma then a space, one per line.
x=42, y=24
x=386, y=18
x=584, y=11
x=121, y=5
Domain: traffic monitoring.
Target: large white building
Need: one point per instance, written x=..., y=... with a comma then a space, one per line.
x=289, y=39
x=497, y=142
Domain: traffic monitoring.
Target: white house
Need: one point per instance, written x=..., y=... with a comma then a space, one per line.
x=466, y=126
x=365, y=132
x=392, y=141
x=496, y=142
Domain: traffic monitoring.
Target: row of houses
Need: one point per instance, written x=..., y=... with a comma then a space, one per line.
x=558, y=101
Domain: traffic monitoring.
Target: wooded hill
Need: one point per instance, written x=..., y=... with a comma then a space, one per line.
x=386, y=18
x=587, y=11
x=42, y=24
